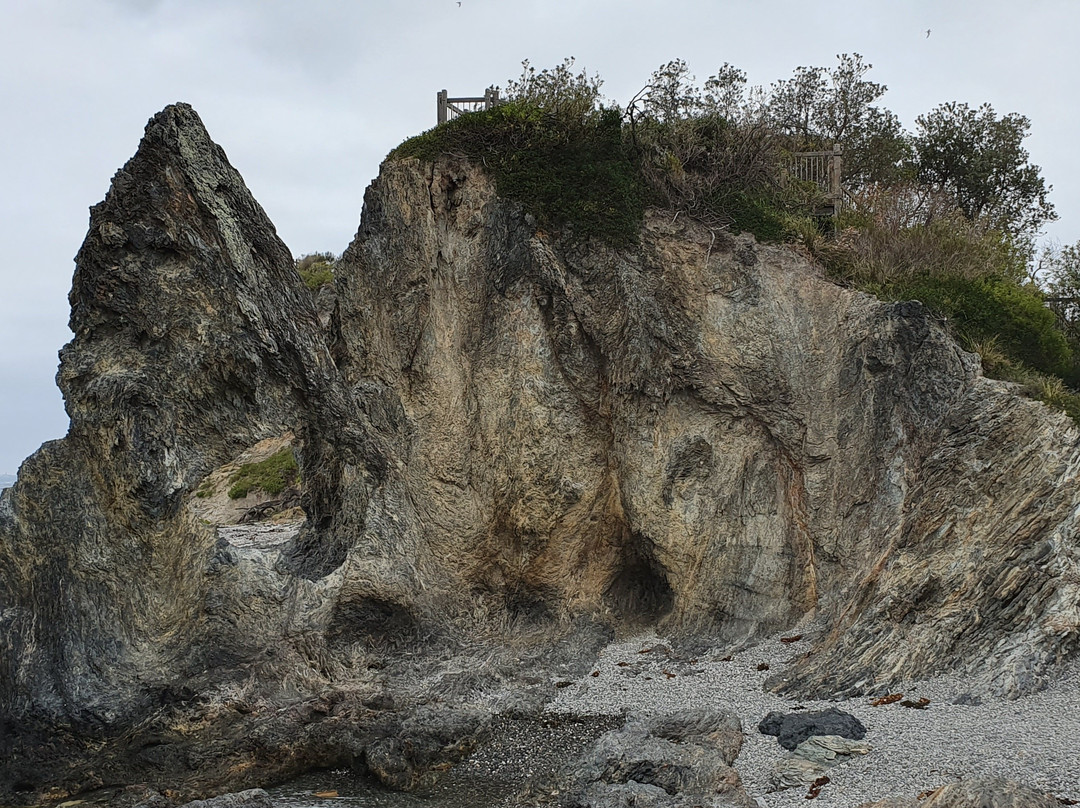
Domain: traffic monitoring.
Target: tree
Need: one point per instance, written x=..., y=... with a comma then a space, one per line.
x=671, y=94
x=794, y=103
x=1058, y=270
x=821, y=108
x=725, y=93
x=559, y=91
x=979, y=160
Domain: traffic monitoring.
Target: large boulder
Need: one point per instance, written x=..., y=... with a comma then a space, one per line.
x=679, y=759
x=791, y=729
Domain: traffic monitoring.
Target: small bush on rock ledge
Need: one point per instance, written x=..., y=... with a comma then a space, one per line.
x=271, y=476
x=316, y=269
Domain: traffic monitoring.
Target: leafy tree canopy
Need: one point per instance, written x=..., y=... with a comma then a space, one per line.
x=979, y=160
x=559, y=91
x=821, y=107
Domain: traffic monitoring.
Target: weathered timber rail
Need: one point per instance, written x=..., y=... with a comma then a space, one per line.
x=450, y=108
x=824, y=169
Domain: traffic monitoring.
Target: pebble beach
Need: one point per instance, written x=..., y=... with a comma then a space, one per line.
x=1034, y=740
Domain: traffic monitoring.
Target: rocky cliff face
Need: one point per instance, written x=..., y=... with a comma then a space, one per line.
x=193, y=339
x=705, y=433
x=503, y=437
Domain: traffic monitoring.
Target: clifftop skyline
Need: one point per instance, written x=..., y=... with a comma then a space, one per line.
x=309, y=101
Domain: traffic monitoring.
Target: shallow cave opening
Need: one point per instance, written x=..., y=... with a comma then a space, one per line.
x=313, y=555
x=639, y=591
x=529, y=605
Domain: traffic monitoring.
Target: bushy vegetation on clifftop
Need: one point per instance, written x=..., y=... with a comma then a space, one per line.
x=948, y=214
x=558, y=152
x=316, y=269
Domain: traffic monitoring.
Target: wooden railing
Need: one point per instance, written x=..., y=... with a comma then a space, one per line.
x=824, y=169
x=450, y=108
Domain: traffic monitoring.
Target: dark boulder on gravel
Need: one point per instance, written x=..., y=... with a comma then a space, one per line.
x=426, y=743
x=794, y=728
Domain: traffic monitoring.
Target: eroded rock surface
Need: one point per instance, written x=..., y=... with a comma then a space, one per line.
x=682, y=759
x=511, y=446
x=194, y=339
x=701, y=432
x=190, y=343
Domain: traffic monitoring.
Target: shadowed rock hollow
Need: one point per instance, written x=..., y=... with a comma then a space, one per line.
x=510, y=445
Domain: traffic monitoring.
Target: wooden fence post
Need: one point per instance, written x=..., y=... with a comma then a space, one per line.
x=837, y=167
x=442, y=106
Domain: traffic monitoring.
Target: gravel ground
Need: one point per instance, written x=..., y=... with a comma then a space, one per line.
x=1035, y=740
x=260, y=536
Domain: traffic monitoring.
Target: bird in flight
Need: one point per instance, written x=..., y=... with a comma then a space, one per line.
x=927, y=30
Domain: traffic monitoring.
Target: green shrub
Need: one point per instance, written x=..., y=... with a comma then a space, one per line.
x=724, y=173
x=271, y=476
x=993, y=308
x=901, y=231
x=316, y=269
x=576, y=175
x=1049, y=389
x=752, y=213
x=317, y=276
x=558, y=90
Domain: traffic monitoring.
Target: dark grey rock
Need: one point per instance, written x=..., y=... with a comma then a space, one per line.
x=684, y=756
x=152, y=801
x=990, y=793
x=968, y=699
x=429, y=740
x=793, y=728
x=624, y=795
x=642, y=795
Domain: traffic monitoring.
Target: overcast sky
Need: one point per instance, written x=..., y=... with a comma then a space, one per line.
x=308, y=97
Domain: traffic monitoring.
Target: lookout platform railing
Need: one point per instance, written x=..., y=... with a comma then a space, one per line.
x=450, y=108
x=824, y=169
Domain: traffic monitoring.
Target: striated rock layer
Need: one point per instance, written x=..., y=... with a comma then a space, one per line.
x=702, y=432
x=505, y=439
